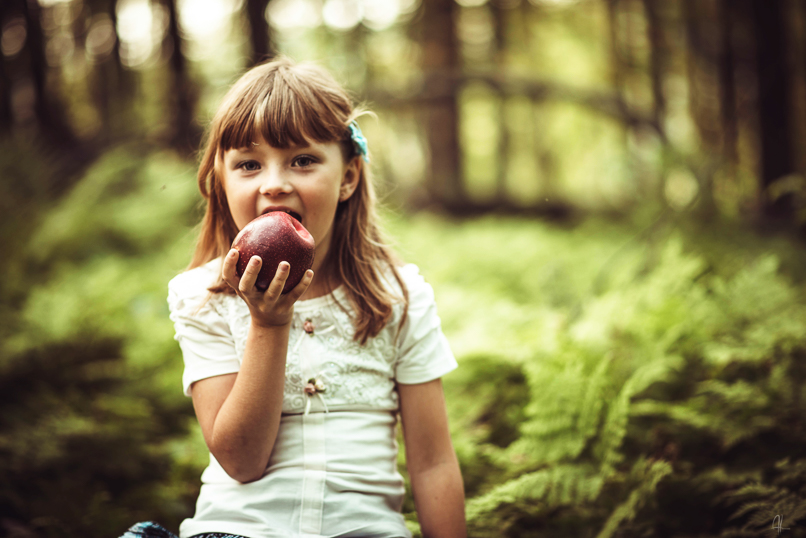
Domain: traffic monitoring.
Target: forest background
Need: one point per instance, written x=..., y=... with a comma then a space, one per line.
x=607, y=195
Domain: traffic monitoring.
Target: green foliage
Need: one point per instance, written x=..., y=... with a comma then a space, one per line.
x=660, y=383
x=82, y=450
x=492, y=395
x=27, y=178
x=130, y=203
x=94, y=429
x=608, y=383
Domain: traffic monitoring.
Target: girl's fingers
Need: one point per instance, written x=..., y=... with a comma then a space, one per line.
x=278, y=282
x=249, y=277
x=228, y=272
x=300, y=288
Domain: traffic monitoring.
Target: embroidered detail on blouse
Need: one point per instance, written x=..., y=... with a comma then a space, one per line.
x=314, y=386
x=353, y=375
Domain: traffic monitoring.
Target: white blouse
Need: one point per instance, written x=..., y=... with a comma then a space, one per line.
x=333, y=469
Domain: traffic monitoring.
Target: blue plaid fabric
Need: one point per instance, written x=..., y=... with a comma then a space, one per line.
x=149, y=529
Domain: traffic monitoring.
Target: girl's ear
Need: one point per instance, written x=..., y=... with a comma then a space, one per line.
x=352, y=175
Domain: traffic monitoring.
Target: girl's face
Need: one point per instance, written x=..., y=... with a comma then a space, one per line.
x=307, y=181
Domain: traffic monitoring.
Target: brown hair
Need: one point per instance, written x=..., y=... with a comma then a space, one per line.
x=289, y=104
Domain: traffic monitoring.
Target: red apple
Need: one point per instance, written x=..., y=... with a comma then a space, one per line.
x=275, y=237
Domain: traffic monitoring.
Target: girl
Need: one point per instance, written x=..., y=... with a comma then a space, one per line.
x=298, y=394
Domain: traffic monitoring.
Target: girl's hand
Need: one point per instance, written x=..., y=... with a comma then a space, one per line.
x=270, y=308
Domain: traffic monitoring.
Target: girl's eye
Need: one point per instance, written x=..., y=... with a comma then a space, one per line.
x=249, y=166
x=302, y=161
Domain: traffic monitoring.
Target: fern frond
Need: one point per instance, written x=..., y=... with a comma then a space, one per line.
x=566, y=407
x=555, y=486
x=561, y=446
x=752, y=490
x=649, y=475
x=615, y=427
x=749, y=508
x=739, y=394
x=593, y=401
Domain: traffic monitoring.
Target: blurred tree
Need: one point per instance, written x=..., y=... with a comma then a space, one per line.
x=728, y=89
x=616, y=56
x=774, y=106
x=658, y=60
x=500, y=10
x=658, y=69
x=742, y=127
x=704, y=84
x=6, y=117
x=184, y=133
x=110, y=84
x=440, y=64
x=617, y=70
x=259, y=30
x=49, y=111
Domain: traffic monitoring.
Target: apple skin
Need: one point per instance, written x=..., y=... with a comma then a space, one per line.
x=275, y=237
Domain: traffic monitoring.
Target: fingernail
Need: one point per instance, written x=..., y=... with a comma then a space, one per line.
x=232, y=253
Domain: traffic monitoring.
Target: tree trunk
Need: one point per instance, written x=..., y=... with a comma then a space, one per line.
x=440, y=65
x=657, y=62
x=48, y=115
x=705, y=88
x=616, y=60
x=774, y=89
x=617, y=80
x=657, y=68
x=123, y=81
x=730, y=130
x=6, y=117
x=695, y=52
x=183, y=135
x=499, y=12
x=104, y=83
x=259, y=35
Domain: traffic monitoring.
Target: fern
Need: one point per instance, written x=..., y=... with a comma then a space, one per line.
x=554, y=486
x=565, y=408
x=593, y=403
x=760, y=503
x=615, y=427
x=648, y=474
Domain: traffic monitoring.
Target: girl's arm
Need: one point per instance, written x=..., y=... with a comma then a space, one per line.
x=436, y=481
x=240, y=413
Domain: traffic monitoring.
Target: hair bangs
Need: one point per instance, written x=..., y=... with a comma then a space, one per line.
x=237, y=127
x=286, y=112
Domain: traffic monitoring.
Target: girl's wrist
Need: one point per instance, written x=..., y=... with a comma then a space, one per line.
x=269, y=327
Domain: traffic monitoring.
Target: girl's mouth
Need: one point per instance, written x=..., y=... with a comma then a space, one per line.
x=294, y=214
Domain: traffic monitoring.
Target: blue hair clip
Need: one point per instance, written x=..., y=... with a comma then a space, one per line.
x=359, y=141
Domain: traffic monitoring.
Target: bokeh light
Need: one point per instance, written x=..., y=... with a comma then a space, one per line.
x=293, y=14
x=100, y=38
x=203, y=19
x=343, y=14
x=380, y=14
x=59, y=49
x=135, y=28
x=14, y=34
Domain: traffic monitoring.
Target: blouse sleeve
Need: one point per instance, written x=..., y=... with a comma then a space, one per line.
x=423, y=351
x=204, y=336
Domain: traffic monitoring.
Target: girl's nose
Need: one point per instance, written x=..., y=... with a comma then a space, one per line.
x=275, y=184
